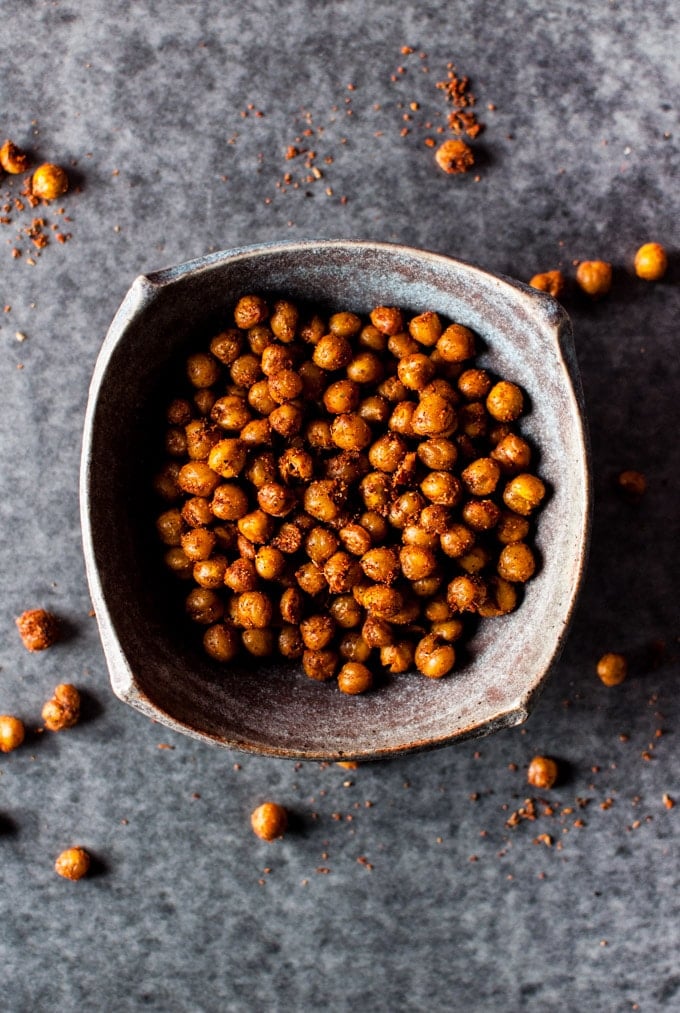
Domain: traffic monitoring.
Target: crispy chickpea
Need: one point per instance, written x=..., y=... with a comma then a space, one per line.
x=291, y=605
x=275, y=499
x=289, y=642
x=387, y=319
x=481, y=514
x=594, y=277
x=287, y=420
x=474, y=419
x=345, y=611
x=284, y=320
x=434, y=658
x=221, y=642
x=227, y=346
x=175, y=442
x=260, y=399
x=203, y=370
x=417, y=562
x=245, y=371
x=227, y=536
x=456, y=344
x=512, y=453
x=632, y=484
x=350, y=432
x=523, y=494
x=376, y=492
x=313, y=330
x=457, y=540
x=480, y=478
x=196, y=512
x=354, y=678
x=345, y=324
x=227, y=458
x=262, y=470
x=311, y=579
x=210, y=572
x=448, y=630
x=398, y=657
x=501, y=598
x=203, y=606
x=466, y=593
x=365, y=367
x=179, y=412
x=250, y=310
x=296, y=465
x=275, y=359
x=259, y=643
x=400, y=421
x=373, y=339
x=406, y=509
x=332, y=352
x=377, y=632
x=246, y=549
x=542, y=772
x=442, y=487
x=551, y=282
x=387, y=453
x=73, y=864
x=323, y=499
x=437, y=610
x=12, y=733
x=474, y=384
x=318, y=434
x=413, y=534
x=231, y=413
x=381, y=564
x=169, y=527
x=49, y=181
x=288, y=538
x=434, y=519
x=392, y=389
x=375, y=409
x=204, y=400
x=505, y=401
x=439, y=454
x=257, y=526
x=376, y=526
x=401, y=345
x=63, y=710
x=434, y=416
x=511, y=528
x=650, y=262
x=383, y=602
x=229, y=502
x=317, y=632
x=341, y=396
x=423, y=587
x=270, y=563
x=259, y=337
x=516, y=562
x=320, y=544
x=612, y=669
x=254, y=610
x=353, y=647
x=426, y=328
x=342, y=572
x=355, y=539
x=177, y=560
x=320, y=665
x=165, y=482
x=284, y=386
x=12, y=159
x=201, y=438
x=415, y=371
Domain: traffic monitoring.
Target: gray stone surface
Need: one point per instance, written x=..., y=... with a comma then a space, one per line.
x=146, y=97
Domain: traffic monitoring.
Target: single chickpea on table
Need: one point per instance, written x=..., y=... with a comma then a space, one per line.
x=345, y=491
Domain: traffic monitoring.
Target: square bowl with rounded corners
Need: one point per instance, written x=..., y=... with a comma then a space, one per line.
x=155, y=663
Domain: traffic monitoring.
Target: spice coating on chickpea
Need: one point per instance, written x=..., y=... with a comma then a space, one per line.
x=38, y=629
x=594, y=277
x=12, y=733
x=73, y=864
x=63, y=710
x=542, y=772
x=269, y=821
x=454, y=157
x=49, y=181
x=651, y=262
x=13, y=159
x=612, y=669
x=551, y=282
x=354, y=678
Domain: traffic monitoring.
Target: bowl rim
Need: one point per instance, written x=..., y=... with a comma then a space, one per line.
x=146, y=287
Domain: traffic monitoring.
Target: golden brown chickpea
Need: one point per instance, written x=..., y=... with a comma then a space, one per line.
x=196, y=512
x=345, y=611
x=332, y=352
x=203, y=606
x=413, y=534
x=406, y=509
x=12, y=159
x=551, y=282
x=201, y=438
x=63, y=710
x=289, y=642
x=288, y=538
x=204, y=399
x=437, y=610
x=259, y=643
x=383, y=602
x=466, y=593
x=350, y=432
x=342, y=572
x=376, y=492
x=442, y=487
x=287, y=420
x=435, y=520
x=400, y=419
x=73, y=864
x=516, y=562
x=375, y=409
x=296, y=465
x=12, y=733
x=260, y=337
x=270, y=563
x=177, y=560
x=456, y=344
x=401, y=345
x=254, y=610
x=203, y=370
x=341, y=396
x=320, y=665
x=392, y=389
x=542, y=772
x=594, y=277
x=169, y=527
x=426, y=328
x=249, y=311
x=397, y=657
x=257, y=433
x=424, y=587
x=354, y=678
x=227, y=458
x=434, y=416
x=284, y=386
x=501, y=598
x=260, y=399
x=291, y=606
x=179, y=412
x=198, y=543
x=257, y=526
x=417, y=562
x=505, y=401
x=381, y=565
x=175, y=442
x=375, y=525
x=311, y=579
x=49, y=181
x=284, y=320
x=231, y=413
x=276, y=359
x=317, y=632
x=227, y=536
x=474, y=384
x=221, y=642
x=313, y=330
x=612, y=669
x=457, y=540
x=443, y=388
x=448, y=630
x=320, y=544
x=387, y=319
x=318, y=434
x=210, y=572
x=523, y=494
x=438, y=454
x=345, y=324
x=434, y=658
x=474, y=421
x=370, y=337
x=651, y=262
x=227, y=346
x=377, y=632
x=165, y=482
x=511, y=528
x=275, y=499
x=415, y=371
x=262, y=470
x=387, y=453
x=475, y=560
x=245, y=548
x=353, y=647
x=512, y=453
x=245, y=371
x=481, y=476
x=323, y=499
x=481, y=514
x=365, y=367
x=355, y=539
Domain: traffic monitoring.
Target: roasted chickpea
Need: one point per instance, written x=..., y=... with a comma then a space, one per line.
x=204, y=400
x=381, y=564
x=501, y=598
x=320, y=544
x=284, y=386
x=354, y=678
x=260, y=399
x=370, y=337
x=415, y=371
x=165, y=482
x=318, y=434
x=342, y=572
x=12, y=732
x=397, y=658
x=350, y=432
x=400, y=420
x=651, y=262
x=423, y=587
x=313, y=330
x=456, y=344
x=375, y=409
x=475, y=560
x=332, y=352
x=481, y=476
x=257, y=433
x=169, y=527
x=505, y=401
x=12, y=159
x=612, y=669
x=320, y=665
x=311, y=579
x=291, y=606
x=210, y=572
x=355, y=539
x=512, y=453
x=177, y=560
x=221, y=642
x=413, y=534
x=474, y=384
x=296, y=465
x=353, y=647
x=317, y=632
x=275, y=499
x=345, y=324
x=245, y=371
x=231, y=413
x=376, y=525
x=551, y=282
x=393, y=389
x=457, y=540
x=259, y=643
x=323, y=500
x=287, y=420
x=594, y=277
x=442, y=487
x=196, y=512
x=345, y=611
x=254, y=610
x=387, y=319
x=73, y=864
x=288, y=538
x=542, y=772
x=632, y=484
x=257, y=526
x=437, y=610
x=377, y=632
x=401, y=345
x=198, y=543
x=466, y=594
x=250, y=310
x=516, y=562
x=203, y=606
x=434, y=416
x=387, y=453
x=417, y=562
x=227, y=346
x=434, y=658
x=481, y=514
x=270, y=563
x=376, y=492
x=365, y=367
x=383, y=602
x=178, y=412
x=448, y=630
x=438, y=454
x=175, y=442
x=289, y=642
x=201, y=437
x=49, y=181
x=426, y=328
x=523, y=494
x=203, y=370
x=511, y=528
x=227, y=458
x=284, y=320
x=262, y=470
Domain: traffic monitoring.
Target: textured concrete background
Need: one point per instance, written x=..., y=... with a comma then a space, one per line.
x=579, y=160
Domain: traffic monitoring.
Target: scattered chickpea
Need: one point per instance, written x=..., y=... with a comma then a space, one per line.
x=542, y=772
x=49, y=182
x=73, y=864
x=354, y=678
x=269, y=821
x=516, y=562
x=38, y=629
x=434, y=658
x=12, y=733
x=594, y=277
x=250, y=310
x=650, y=261
x=13, y=159
x=551, y=282
x=454, y=157
x=63, y=710
x=612, y=669
x=523, y=494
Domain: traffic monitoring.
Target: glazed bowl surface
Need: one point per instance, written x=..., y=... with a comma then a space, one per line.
x=157, y=666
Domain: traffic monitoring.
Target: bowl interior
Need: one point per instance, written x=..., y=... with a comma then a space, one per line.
x=157, y=664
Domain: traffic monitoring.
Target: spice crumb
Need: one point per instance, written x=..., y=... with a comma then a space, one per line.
x=667, y=800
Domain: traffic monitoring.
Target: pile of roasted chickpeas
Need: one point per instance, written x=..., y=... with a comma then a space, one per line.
x=342, y=492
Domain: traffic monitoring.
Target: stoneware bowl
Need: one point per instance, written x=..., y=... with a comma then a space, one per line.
x=156, y=662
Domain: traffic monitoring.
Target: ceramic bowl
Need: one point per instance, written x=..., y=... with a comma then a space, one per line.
x=155, y=663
